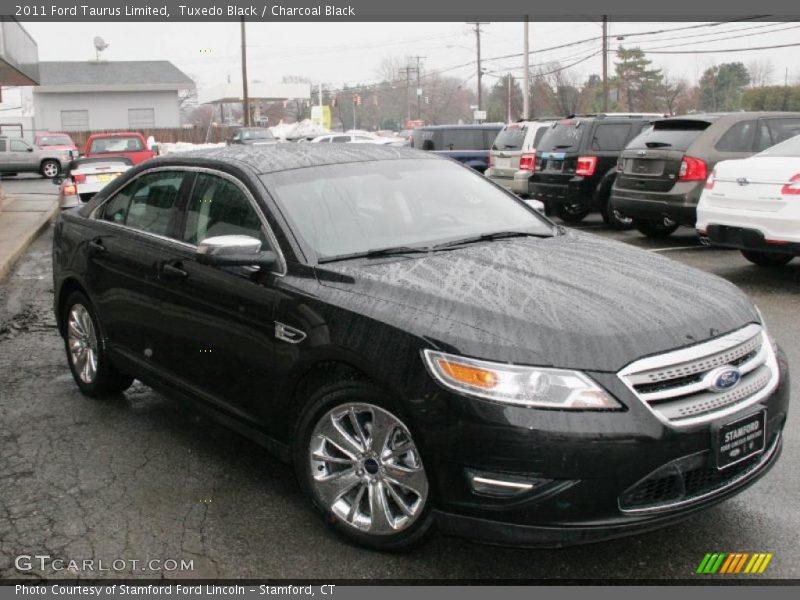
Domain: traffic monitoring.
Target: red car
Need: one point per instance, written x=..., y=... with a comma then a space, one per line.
x=129, y=144
x=54, y=141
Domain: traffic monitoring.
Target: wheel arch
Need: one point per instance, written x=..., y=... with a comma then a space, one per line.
x=67, y=287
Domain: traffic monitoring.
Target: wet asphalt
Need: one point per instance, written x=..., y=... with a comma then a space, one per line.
x=139, y=477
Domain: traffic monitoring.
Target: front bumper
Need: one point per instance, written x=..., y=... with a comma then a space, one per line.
x=583, y=467
x=679, y=204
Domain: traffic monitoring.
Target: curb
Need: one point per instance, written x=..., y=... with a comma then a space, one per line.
x=7, y=263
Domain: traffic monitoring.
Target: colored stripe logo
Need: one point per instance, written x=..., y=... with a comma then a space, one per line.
x=732, y=563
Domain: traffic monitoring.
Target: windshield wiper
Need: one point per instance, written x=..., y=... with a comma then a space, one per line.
x=488, y=237
x=391, y=251
x=562, y=146
x=657, y=144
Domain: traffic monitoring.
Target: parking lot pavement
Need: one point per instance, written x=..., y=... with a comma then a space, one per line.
x=137, y=476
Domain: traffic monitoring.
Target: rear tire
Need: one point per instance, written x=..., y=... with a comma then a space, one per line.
x=50, y=169
x=655, y=229
x=613, y=219
x=767, y=259
x=572, y=214
x=358, y=463
x=86, y=350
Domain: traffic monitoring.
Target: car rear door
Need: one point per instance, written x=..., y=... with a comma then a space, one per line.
x=130, y=242
x=219, y=327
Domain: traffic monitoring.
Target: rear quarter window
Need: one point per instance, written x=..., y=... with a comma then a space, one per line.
x=610, y=136
x=738, y=138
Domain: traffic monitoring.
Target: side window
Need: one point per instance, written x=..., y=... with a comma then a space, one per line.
x=538, y=136
x=19, y=146
x=739, y=138
x=147, y=203
x=610, y=136
x=341, y=138
x=783, y=129
x=217, y=206
x=764, y=137
x=2, y=145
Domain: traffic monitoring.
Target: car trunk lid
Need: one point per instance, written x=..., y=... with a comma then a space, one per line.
x=754, y=184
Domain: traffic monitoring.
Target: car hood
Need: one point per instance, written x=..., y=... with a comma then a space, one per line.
x=573, y=301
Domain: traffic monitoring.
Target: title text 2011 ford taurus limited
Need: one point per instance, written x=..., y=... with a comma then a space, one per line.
x=421, y=345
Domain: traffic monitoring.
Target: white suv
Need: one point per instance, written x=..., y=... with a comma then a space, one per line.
x=513, y=155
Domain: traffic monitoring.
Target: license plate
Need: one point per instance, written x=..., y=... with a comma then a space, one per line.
x=502, y=163
x=741, y=439
x=105, y=177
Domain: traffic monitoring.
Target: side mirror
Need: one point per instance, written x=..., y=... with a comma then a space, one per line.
x=30, y=149
x=234, y=251
x=57, y=180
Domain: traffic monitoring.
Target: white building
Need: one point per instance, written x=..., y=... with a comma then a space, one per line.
x=101, y=95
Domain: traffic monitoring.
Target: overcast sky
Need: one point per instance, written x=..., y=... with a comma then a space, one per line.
x=349, y=53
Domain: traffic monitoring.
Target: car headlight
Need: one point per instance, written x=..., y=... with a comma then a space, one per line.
x=773, y=344
x=518, y=385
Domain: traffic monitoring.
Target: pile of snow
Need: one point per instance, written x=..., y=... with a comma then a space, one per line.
x=302, y=129
x=170, y=147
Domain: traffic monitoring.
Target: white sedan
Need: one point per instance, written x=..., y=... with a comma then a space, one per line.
x=87, y=176
x=754, y=205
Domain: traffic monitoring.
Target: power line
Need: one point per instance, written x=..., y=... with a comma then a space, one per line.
x=721, y=50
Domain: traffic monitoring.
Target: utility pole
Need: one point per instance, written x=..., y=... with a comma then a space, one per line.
x=605, y=63
x=526, y=77
x=477, y=31
x=419, y=87
x=407, y=71
x=245, y=97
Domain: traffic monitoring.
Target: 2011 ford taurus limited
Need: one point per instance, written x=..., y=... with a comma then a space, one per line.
x=425, y=348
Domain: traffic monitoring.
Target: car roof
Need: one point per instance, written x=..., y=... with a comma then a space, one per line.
x=115, y=134
x=284, y=157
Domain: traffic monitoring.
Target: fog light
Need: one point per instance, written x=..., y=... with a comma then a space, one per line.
x=502, y=485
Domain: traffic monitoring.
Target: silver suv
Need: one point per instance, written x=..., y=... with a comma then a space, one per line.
x=513, y=154
x=18, y=156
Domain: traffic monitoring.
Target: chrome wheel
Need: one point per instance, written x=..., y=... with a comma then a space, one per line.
x=50, y=169
x=366, y=470
x=82, y=341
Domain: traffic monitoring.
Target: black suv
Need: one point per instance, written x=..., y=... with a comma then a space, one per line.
x=663, y=171
x=420, y=344
x=576, y=164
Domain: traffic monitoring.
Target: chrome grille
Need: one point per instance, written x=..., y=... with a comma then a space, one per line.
x=677, y=385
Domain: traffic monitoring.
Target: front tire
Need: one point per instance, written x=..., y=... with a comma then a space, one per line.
x=357, y=461
x=86, y=350
x=767, y=259
x=50, y=169
x=662, y=228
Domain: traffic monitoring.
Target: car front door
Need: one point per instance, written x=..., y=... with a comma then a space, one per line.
x=21, y=156
x=219, y=321
x=130, y=240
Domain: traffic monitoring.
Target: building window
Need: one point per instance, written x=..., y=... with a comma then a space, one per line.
x=75, y=120
x=141, y=118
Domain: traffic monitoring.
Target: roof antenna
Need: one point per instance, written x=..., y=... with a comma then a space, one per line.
x=99, y=45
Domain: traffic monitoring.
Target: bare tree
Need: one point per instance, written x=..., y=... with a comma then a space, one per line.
x=673, y=89
x=761, y=72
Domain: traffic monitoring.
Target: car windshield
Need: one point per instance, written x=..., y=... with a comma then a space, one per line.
x=510, y=138
x=564, y=135
x=355, y=208
x=257, y=134
x=116, y=144
x=55, y=140
x=671, y=134
x=790, y=148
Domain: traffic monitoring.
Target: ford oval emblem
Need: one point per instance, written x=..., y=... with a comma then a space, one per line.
x=742, y=181
x=725, y=378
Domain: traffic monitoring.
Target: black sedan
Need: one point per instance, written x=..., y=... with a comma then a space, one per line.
x=422, y=346
x=252, y=136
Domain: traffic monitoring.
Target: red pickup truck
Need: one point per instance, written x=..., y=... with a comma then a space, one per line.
x=129, y=144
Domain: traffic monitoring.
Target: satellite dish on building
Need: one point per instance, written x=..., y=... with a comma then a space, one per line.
x=99, y=45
